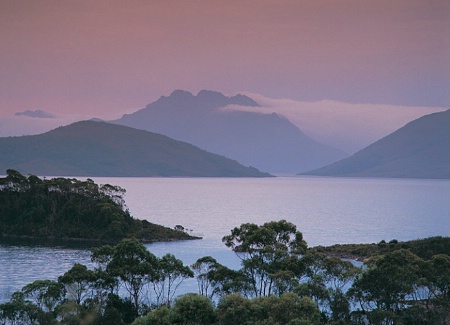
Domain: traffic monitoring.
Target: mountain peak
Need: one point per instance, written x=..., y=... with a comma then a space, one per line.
x=269, y=142
x=181, y=94
x=243, y=100
x=209, y=98
x=205, y=93
x=89, y=148
x=420, y=149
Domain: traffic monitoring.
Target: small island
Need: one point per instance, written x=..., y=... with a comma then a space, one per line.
x=74, y=210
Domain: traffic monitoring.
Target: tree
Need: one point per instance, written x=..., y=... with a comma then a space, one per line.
x=433, y=292
x=203, y=268
x=325, y=281
x=193, y=309
x=106, y=283
x=135, y=266
x=171, y=273
x=290, y=307
x=233, y=309
x=263, y=249
x=78, y=282
x=383, y=290
x=46, y=294
x=226, y=281
x=159, y=316
x=20, y=311
x=67, y=208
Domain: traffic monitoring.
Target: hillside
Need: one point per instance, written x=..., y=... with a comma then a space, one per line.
x=63, y=208
x=268, y=142
x=424, y=248
x=420, y=149
x=91, y=148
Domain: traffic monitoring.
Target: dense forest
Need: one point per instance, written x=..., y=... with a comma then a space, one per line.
x=67, y=208
x=424, y=248
x=281, y=281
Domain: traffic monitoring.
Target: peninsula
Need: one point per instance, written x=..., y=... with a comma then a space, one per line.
x=67, y=208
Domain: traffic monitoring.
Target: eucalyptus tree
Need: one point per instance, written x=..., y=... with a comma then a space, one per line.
x=170, y=274
x=193, y=309
x=106, y=282
x=46, y=294
x=263, y=250
x=134, y=265
x=233, y=309
x=78, y=282
x=387, y=288
x=226, y=281
x=19, y=311
x=189, y=309
x=433, y=291
x=203, y=269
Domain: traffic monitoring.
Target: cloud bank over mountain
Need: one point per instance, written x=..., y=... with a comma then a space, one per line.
x=268, y=142
x=420, y=149
x=349, y=127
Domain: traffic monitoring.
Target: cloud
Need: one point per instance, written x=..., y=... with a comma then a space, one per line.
x=24, y=124
x=347, y=126
x=39, y=113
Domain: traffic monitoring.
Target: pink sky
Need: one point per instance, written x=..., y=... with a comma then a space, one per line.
x=106, y=58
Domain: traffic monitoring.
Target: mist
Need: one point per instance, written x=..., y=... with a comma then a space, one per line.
x=346, y=126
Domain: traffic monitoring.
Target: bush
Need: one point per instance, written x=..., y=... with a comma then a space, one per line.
x=193, y=309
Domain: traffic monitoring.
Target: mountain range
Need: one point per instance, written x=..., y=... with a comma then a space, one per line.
x=91, y=148
x=268, y=142
x=420, y=149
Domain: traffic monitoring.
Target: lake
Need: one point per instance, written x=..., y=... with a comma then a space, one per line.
x=326, y=210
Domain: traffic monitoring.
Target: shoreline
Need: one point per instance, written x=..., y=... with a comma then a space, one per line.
x=25, y=240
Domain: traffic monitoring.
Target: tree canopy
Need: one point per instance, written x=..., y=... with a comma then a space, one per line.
x=280, y=282
x=68, y=208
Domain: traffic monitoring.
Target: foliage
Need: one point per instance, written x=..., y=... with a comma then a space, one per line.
x=67, y=208
x=78, y=282
x=170, y=274
x=263, y=250
x=45, y=294
x=134, y=265
x=233, y=309
x=424, y=248
x=399, y=284
x=193, y=309
x=203, y=269
x=288, y=308
x=398, y=287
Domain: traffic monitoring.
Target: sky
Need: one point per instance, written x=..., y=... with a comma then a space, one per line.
x=105, y=58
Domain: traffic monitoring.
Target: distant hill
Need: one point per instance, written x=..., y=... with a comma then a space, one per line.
x=92, y=148
x=268, y=142
x=420, y=149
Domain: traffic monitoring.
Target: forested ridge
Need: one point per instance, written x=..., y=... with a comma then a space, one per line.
x=281, y=282
x=423, y=248
x=90, y=148
x=67, y=208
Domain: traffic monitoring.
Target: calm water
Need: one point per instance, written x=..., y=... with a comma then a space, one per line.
x=326, y=210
